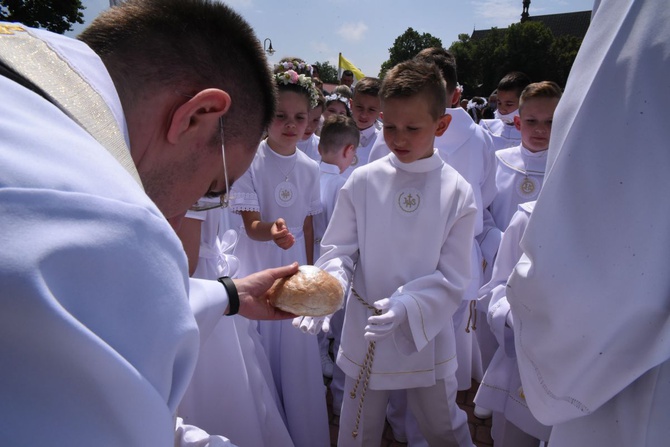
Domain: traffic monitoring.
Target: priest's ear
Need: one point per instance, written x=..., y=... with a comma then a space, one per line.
x=199, y=114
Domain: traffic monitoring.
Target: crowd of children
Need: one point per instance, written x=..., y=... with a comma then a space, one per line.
x=356, y=182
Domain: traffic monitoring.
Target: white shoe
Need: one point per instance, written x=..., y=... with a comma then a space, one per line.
x=482, y=413
x=327, y=366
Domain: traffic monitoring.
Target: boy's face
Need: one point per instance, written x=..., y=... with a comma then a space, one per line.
x=365, y=110
x=410, y=129
x=507, y=101
x=534, y=122
x=312, y=121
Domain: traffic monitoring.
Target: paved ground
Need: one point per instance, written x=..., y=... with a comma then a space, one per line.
x=480, y=429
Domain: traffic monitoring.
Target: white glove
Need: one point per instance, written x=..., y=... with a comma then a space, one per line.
x=312, y=325
x=381, y=326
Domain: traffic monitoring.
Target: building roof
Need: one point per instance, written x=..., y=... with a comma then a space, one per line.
x=566, y=24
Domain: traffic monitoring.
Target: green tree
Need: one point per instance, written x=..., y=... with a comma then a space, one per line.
x=406, y=46
x=529, y=47
x=564, y=51
x=57, y=16
x=327, y=72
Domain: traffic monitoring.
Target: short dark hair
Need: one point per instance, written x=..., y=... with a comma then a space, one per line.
x=347, y=73
x=187, y=45
x=445, y=61
x=416, y=77
x=337, y=132
x=368, y=86
x=514, y=81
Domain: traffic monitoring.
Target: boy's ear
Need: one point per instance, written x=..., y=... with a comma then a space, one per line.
x=443, y=124
x=347, y=148
x=517, y=122
x=455, y=98
x=197, y=114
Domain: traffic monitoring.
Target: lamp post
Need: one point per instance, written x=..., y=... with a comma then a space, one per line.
x=268, y=49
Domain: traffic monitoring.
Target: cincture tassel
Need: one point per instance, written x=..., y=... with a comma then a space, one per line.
x=366, y=369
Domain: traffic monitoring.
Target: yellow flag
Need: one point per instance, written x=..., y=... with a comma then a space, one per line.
x=344, y=64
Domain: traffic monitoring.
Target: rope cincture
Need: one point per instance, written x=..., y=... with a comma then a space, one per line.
x=366, y=369
x=472, y=316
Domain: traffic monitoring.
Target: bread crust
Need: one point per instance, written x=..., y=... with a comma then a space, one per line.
x=310, y=292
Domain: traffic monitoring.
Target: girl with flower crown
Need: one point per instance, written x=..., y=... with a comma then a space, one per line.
x=277, y=197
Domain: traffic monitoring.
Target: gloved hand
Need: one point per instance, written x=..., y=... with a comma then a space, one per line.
x=381, y=326
x=312, y=325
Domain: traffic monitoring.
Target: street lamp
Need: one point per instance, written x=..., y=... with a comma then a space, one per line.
x=269, y=50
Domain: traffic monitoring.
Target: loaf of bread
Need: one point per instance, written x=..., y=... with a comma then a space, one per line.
x=311, y=292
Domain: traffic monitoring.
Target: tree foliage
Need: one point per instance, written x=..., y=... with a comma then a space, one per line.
x=57, y=16
x=327, y=72
x=406, y=46
x=529, y=47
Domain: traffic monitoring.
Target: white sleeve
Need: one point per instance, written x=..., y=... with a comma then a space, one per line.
x=208, y=301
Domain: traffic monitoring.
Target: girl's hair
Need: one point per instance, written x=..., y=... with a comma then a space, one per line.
x=291, y=74
x=337, y=97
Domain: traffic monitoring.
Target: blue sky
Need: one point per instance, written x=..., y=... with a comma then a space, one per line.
x=364, y=30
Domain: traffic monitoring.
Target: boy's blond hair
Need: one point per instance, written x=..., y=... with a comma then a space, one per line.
x=543, y=89
x=368, y=86
x=338, y=131
x=416, y=77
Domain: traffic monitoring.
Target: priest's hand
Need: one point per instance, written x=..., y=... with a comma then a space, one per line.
x=254, y=297
x=381, y=326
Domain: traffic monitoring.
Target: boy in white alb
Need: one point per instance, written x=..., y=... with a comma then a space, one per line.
x=365, y=109
x=398, y=331
x=502, y=128
x=501, y=390
x=520, y=170
x=466, y=147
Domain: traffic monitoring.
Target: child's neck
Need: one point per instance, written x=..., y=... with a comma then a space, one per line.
x=281, y=149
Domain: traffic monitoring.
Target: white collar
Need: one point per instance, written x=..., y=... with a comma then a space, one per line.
x=423, y=165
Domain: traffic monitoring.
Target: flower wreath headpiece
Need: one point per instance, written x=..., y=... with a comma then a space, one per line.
x=299, y=67
x=292, y=77
x=338, y=97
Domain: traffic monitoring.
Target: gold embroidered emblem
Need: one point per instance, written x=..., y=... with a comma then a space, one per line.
x=527, y=186
x=9, y=29
x=409, y=201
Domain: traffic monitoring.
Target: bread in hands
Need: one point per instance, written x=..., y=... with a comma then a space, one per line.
x=310, y=292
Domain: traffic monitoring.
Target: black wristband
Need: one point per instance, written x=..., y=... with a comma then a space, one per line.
x=233, y=297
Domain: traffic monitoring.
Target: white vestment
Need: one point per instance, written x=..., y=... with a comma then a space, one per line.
x=365, y=145
x=287, y=187
x=98, y=339
x=519, y=178
x=467, y=148
x=590, y=295
x=330, y=183
x=500, y=390
x=388, y=211
x=504, y=135
x=231, y=391
x=310, y=147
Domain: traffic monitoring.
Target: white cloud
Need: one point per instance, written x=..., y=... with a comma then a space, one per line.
x=500, y=13
x=353, y=32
